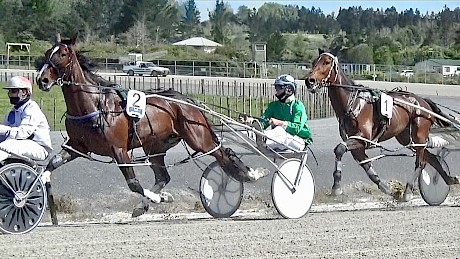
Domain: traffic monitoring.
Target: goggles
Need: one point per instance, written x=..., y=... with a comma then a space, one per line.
x=279, y=87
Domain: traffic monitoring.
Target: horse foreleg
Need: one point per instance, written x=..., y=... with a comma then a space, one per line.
x=339, y=150
x=357, y=149
x=162, y=178
x=122, y=157
x=360, y=156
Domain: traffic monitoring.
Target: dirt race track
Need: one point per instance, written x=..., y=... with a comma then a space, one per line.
x=409, y=232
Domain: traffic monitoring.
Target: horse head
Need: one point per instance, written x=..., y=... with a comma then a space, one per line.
x=324, y=72
x=58, y=63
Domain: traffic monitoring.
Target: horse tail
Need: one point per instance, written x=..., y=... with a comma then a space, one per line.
x=438, y=111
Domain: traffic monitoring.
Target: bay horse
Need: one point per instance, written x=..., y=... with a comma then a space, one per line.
x=361, y=123
x=97, y=124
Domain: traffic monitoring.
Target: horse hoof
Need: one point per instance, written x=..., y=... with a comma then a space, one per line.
x=456, y=180
x=337, y=191
x=139, y=211
x=166, y=197
x=140, y=208
x=383, y=186
x=407, y=197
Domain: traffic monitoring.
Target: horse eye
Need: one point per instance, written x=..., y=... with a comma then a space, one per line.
x=63, y=55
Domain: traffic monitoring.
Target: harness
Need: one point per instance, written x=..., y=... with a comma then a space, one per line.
x=95, y=118
x=355, y=105
x=358, y=97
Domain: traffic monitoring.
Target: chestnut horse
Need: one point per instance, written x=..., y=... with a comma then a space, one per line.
x=361, y=124
x=96, y=123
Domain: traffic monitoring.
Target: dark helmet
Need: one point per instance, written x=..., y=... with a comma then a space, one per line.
x=287, y=83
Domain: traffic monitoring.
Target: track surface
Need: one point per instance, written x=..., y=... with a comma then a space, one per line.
x=417, y=232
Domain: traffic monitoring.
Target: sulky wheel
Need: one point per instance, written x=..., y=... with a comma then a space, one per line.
x=220, y=194
x=433, y=188
x=22, y=198
x=290, y=202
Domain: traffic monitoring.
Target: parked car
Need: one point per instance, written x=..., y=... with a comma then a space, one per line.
x=145, y=68
x=407, y=73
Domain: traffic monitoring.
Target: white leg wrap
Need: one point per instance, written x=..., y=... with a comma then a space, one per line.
x=152, y=196
x=46, y=176
x=256, y=174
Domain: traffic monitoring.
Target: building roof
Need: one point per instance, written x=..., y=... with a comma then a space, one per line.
x=446, y=62
x=198, y=42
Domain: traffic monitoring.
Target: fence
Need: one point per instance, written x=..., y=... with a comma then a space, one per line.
x=229, y=97
x=388, y=73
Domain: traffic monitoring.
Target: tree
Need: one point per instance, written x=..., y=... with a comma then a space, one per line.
x=189, y=25
x=457, y=40
x=161, y=17
x=98, y=19
x=220, y=18
x=383, y=56
x=361, y=54
x=276, y=46
x=299, y=47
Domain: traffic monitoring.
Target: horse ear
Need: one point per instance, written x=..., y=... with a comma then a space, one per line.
x=320, y=51
x=73, y=40
x=58, y=38
x=335, y=51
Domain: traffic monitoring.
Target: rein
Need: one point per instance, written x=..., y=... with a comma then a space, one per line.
x=61, y=82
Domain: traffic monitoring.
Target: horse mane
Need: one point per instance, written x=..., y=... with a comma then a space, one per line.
x=345, y=79
x=89, y=68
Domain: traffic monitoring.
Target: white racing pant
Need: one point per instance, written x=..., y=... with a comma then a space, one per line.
x=280, y=135
x=24, y=147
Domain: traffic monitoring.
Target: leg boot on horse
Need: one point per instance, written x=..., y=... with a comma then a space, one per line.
x=162, y=178
x=357, y=149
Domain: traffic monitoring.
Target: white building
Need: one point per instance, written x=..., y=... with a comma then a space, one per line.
x=446, y=67
x=204, y=44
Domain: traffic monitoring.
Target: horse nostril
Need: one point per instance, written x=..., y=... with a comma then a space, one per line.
x=45, y=80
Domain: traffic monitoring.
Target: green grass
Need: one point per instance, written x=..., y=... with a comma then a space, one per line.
x=52, y=104
x=233, y=106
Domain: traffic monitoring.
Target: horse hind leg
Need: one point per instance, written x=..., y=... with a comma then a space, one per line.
x=419, y=166
x=200, y=138
x=433, y=160
x=423, y=157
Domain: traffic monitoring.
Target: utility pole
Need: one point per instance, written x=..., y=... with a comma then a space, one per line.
x=156, y=38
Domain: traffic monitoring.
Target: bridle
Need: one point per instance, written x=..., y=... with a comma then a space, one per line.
x=334, y=66
x=60, y=71
x=66, y=70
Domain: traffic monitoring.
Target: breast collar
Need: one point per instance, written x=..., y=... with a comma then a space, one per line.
x=84, y=118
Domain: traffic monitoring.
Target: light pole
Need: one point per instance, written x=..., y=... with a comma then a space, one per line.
x=156, y=37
